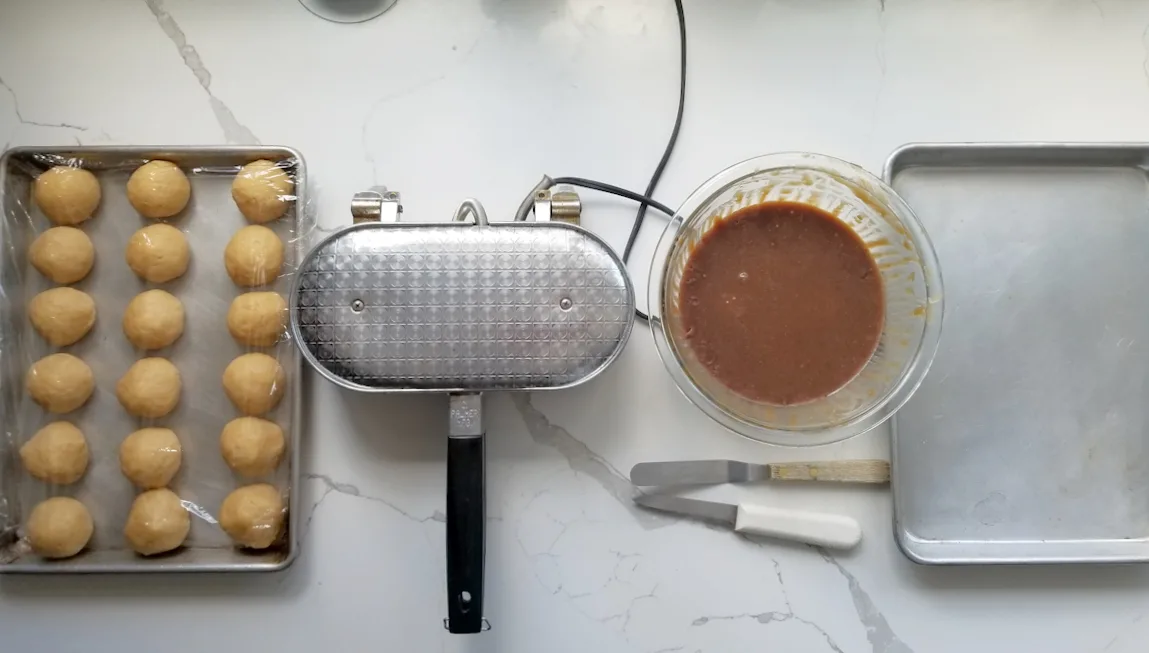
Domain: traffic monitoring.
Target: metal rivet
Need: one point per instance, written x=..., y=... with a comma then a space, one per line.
x=565, y=303
x=357, y=305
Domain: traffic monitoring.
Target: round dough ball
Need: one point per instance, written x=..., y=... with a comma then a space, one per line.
x=60, y=383
x=252, y=446
x=154, y=319
x=157, y=522
x=262, y=191
x=67, y=195
x=63, y=254
x=150, y=388
x=253, y=515
x=62, y=315
x=158, y=189
x=257, y=319
x=59, y=527
x=254, y=383
x=150, y=457
x=58, y=453
x=253, y=256
x=158, y=253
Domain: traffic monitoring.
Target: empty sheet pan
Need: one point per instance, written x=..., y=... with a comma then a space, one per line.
x=1027, y=442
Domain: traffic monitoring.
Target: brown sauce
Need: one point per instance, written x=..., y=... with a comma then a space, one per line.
x=782, y=303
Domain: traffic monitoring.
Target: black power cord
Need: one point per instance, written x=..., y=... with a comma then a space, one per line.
x=658, y=170
x=621, y=192
x=644, y=200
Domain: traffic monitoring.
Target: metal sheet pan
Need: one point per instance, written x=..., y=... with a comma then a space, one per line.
x=201, y=355
x=1029, y=440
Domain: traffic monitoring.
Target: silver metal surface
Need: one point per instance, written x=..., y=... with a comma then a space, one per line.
x=724, y=513
x=542, y=208
x=472, y=208
x=201, y=355
x=1027, y=442
x=528, y=203
x=376, y=205
x=466, y=416
x=697, y=472
x=559, y=205
x=366, y=206
x=566, y=206
x=462, y=308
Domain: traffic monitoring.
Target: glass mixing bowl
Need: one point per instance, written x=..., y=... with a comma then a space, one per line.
x=911, y=281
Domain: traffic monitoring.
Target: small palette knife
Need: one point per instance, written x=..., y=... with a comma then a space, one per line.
x=708, y=472
x=819, y=529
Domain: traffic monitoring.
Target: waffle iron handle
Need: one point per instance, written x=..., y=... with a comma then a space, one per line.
x=466, y=515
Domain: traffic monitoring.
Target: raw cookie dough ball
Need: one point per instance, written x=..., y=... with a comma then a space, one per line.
x=159, y=189
x=254, y=383
x=253, y=515
x=60, y=383
x=63, y=254
x=257, y=319
x=58, y=453
x=158, y=253
x=67, y=195
x=150, y=388
x=251, y=446
x=150, y=457
x=262, y=191
x=253, y=256
x=154, y=319
x=62, y=315
x=59, y=527
x=157, y=522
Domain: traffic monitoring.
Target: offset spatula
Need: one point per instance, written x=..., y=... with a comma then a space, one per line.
x=707, y=472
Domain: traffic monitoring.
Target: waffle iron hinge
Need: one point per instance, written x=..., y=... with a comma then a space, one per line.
x=376, y=205
x=558, y=206
x=381, y=205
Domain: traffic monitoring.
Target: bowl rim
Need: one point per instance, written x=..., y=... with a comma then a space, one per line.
x=919, y=363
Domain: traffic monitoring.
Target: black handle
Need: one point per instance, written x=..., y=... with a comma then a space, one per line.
x=466, y=517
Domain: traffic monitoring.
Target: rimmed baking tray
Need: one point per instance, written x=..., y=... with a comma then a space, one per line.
x=1028, y=442
x=201, y=355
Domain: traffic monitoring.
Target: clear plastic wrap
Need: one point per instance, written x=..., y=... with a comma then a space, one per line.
x=201, y=353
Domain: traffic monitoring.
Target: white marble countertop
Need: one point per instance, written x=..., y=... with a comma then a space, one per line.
x=443, y=99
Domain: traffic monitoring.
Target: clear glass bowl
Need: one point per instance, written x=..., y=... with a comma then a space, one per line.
x=911, y=279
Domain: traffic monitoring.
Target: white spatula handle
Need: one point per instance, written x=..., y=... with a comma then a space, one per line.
x=821, y=529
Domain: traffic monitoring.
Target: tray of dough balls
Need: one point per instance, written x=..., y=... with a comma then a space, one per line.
x=149, y=388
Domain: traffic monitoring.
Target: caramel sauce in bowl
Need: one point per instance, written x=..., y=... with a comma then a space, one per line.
x=767, y=329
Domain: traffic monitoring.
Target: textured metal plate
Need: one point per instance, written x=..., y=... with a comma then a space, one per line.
x=1027, y=442
x=462, y=307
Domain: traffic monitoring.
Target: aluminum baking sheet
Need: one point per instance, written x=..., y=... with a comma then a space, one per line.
x=1027, y=442
x=201, y=355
